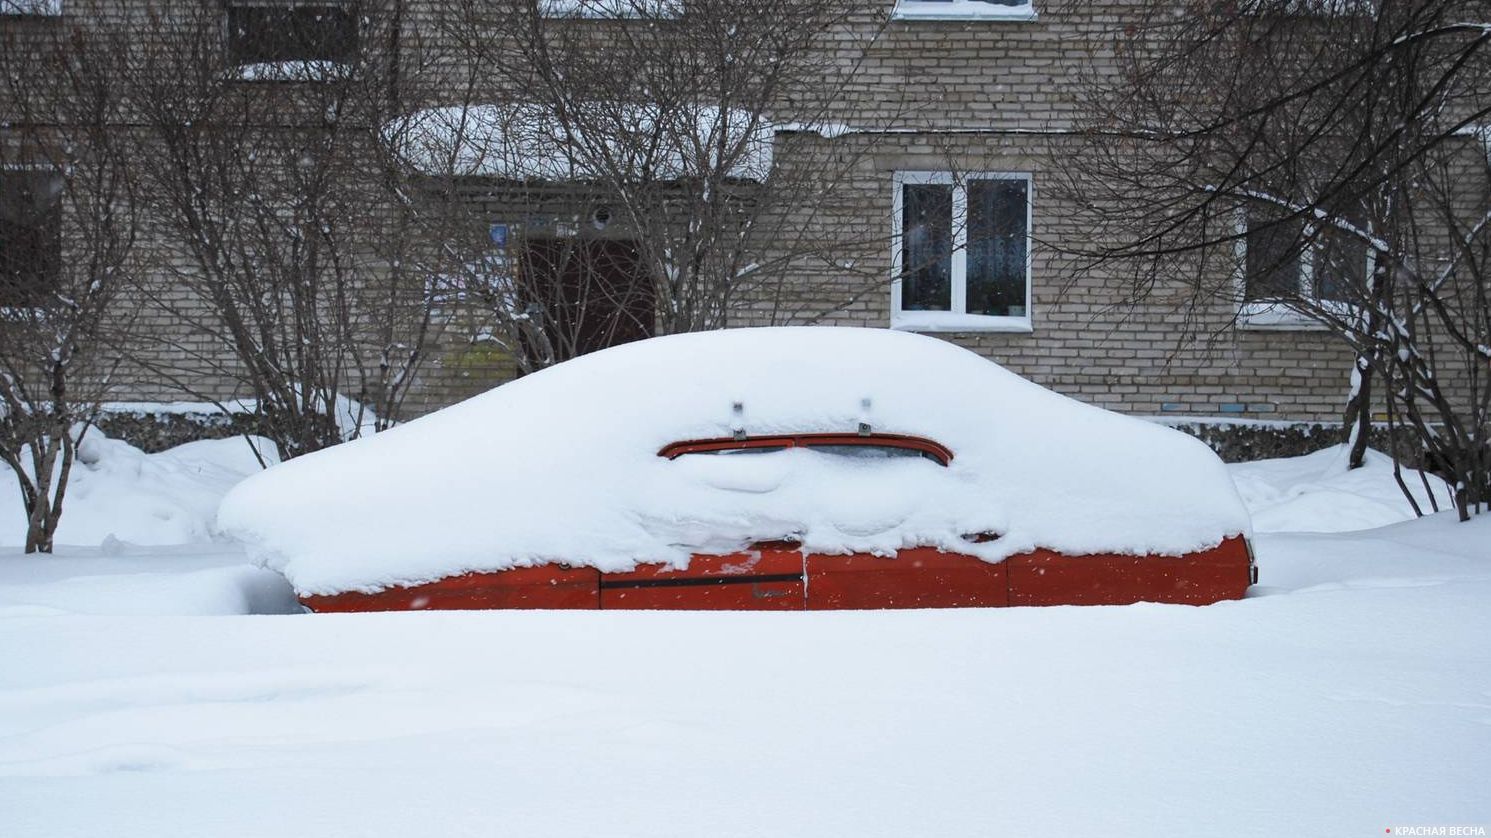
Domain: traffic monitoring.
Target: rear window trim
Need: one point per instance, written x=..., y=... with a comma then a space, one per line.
x=937, y=451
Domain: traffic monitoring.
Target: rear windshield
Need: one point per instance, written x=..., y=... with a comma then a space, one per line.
x=867, y=447
x=758, y=449
x=873, y=452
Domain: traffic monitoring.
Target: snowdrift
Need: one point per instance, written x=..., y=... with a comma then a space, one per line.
x=117, y=492
x=562, y=467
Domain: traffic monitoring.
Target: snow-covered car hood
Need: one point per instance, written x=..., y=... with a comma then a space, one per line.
x=563, y=466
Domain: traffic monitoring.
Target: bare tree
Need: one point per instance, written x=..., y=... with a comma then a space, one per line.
x=281, y=211
x=1315, y=159
x=633, y=143
x=62, y=313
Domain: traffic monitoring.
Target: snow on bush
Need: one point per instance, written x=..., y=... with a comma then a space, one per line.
x=292, y=71
x=562, y=466
x=116, y=491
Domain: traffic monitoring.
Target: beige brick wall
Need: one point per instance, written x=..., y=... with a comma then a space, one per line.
x=933, y=95
x=1084, y=342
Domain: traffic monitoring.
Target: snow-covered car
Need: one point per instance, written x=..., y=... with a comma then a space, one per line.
x=775, y=468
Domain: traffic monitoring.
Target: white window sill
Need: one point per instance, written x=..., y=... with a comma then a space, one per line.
x=961, y=10
x=946, y=321
x=1275, y=317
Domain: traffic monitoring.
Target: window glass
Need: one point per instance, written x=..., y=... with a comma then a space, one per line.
x=757, y=449
x=30, y=234
x=872, y=452
x=1272, y=259
x=261, y=34
x=851, y=446
x=964, y=252
x=926, y=247
x=997, y=247
x=1340, y=266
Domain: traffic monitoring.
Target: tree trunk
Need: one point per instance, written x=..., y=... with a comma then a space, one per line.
x=52, y=464
x=38, y=533
x=1358, y=418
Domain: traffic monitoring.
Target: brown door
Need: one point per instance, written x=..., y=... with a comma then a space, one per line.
x=590, y=293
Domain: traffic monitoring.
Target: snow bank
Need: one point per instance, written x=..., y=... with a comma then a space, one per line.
x=531, y=142
x=562, y=466
x=118, y=492
x=1318, y=493
x=1418, y=553
x=1348, y=701
x=122, y=580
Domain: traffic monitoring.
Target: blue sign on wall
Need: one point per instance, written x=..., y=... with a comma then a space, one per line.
x=498, y=232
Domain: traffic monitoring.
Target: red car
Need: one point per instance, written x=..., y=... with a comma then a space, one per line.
x=812, y=511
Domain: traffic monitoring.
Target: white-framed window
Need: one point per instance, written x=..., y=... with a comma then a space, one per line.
x=964, y=10
x=960, y=257
x=1285, y=261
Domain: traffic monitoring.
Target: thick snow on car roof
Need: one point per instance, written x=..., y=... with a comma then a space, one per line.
x=563, y=466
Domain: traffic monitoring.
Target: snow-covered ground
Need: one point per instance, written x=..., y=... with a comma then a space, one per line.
x=146, y=692
x=124, y=580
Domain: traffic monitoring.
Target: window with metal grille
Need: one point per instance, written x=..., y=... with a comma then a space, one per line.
x=1283, y=259
x=278, y=33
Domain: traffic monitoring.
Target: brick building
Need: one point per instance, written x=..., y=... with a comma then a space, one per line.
x=953, y=129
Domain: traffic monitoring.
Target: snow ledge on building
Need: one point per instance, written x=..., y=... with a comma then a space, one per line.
x=948, y=321
x=962, y=10
x=612, y=9
x=1275, y=317
x=525, y=141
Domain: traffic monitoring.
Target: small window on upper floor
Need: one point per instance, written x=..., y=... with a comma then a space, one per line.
x=30, y=8
x=289, y=41
x=964, y=10
x=1283, y=262
x=30, y=235
x=961, y=252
